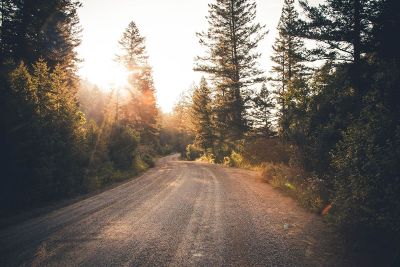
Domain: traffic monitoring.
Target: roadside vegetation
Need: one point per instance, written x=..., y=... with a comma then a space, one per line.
x=61, y=136
x=323, y=124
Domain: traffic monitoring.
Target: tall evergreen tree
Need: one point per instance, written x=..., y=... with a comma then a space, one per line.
x=289, y=70
x=343, y=29
x=31, y=30
x=8, y=11
x=387, y=24
x=231, y=61
x=133, y=48
x=202, y=116
x=147, y=110
x=141, y=112
x=44, y=135
x=261, y=112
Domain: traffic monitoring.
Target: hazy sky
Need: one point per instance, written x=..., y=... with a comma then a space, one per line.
x=169, y=27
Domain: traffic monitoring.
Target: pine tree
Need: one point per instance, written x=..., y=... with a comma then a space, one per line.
x=48, y=29
x=231, y=60
x=289, y=70
x=40, y=119
x=147, y=112
x=202, y=116
x=344, y=31
x=141, y=111
x=45, y=134
x=62, y=134
x=133, y=49
x=7, y=27
x=386, y=26
x=261, y=113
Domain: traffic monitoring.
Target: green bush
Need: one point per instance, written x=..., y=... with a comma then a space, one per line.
x=149, y=160
x=122, y=147
x=91, y=183
x=193, y=152
x=139, y=165
x=307, y=189
x=367, y=180
x=221, y=151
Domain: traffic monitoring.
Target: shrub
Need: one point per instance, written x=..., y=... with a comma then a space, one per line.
x=139, y=165
x=91, y=183
x=236, y=159
x=367, y=176
x=118, y=175
x=122, y=147
x=208, y=157
x=149, y=160
x=193, y=152
x=306, y=188
x=220, y=152
x=277, y=174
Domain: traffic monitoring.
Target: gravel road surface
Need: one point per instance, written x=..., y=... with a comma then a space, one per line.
x=177, y=214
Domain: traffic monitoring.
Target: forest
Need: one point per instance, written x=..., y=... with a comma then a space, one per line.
x=321, y=125
x=60, y=135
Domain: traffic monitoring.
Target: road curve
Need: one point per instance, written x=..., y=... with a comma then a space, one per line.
x=177, y=214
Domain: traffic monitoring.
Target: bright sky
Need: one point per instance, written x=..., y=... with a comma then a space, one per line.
x=169, y=27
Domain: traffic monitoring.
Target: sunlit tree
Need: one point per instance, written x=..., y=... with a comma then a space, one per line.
x=133, y=49
x=45, y=134
x=141, y=112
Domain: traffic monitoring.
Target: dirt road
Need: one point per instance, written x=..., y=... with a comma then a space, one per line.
x=177, y=214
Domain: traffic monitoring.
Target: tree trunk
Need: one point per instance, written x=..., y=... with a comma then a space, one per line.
x=357, y=46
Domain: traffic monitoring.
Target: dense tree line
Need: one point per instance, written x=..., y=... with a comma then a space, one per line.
x=61, y=136
x=333, y=103
x=42, y=129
